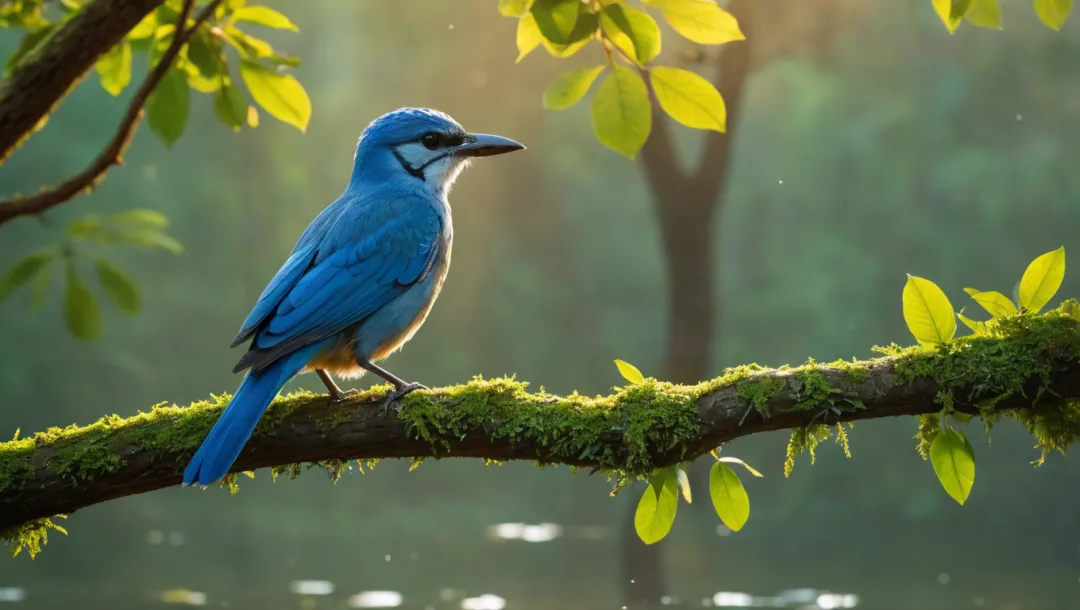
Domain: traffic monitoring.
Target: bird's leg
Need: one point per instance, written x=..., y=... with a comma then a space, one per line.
x=401, y=387
x=336, y=394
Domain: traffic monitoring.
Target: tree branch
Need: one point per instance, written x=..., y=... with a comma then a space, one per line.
x=1032, y=373
x=84, y=182
x=44, y=77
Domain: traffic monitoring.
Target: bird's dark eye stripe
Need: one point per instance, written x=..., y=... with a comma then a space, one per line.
x=433, y=139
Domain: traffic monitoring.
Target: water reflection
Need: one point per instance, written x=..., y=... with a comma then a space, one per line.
x=376, y=599
x=543, y=532
x=804, y=599
x=486, y=601
x=12, y=594
x=311, y=587
x=183, y=596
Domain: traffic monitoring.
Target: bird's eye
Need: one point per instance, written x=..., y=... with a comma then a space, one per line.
x=430, y=140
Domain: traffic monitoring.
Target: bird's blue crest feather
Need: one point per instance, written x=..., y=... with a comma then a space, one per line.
x=405, y=124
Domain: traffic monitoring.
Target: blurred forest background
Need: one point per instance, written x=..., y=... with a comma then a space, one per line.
x=871, y=144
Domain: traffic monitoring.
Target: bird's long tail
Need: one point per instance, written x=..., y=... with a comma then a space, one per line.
x=232, y=430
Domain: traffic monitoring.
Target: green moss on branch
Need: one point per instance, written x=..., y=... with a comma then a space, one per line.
x=1025, y=368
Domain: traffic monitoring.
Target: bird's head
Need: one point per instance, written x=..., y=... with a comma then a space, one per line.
x=421, y=145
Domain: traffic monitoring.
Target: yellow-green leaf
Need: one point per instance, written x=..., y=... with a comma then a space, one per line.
x=689, y=98
x=985, y=14
x=167, y=108
x=583, y=32
x=629, y=372
x=514, y=8
x=656, y=510
x=632, y=30
x=735, y=460
x=279, y=94
x=728, y=496
x=80, y=309
x=959, y=9
x=23, y=271
x=145, y=28
x=1042, y=279
x=265, y=16
x=1053, y=12
x=979, y=328
x=701, y=21
x=953, y=459
x=528, y=36
x=621, y=114
x=570, y=87
x=995, y=303
x=928, y=312
x=114, y=68
x=556, y=19
x=943, y=8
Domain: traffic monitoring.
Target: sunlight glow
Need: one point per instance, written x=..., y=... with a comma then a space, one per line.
x=12, y=594
x=544, y=532
x=183, y=596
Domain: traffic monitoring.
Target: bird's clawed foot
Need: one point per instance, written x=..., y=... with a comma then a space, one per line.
x=399, y=392
x=342, y=395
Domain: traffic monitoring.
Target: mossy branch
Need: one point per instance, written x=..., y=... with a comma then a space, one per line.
x=1027, y=367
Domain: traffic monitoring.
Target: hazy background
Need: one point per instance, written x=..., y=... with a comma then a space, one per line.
x=886, y=148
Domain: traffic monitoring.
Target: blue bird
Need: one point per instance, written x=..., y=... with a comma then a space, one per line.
x=361, y=279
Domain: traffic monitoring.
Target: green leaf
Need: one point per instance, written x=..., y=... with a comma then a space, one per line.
x=118, y=286
x=114, y=68
x=23, y=271
x=953, y=459
x=587, y=24
x=985, y=14
x=230, y=106
x=141, y=217
x=265, y=16
x=205, y=53
x=39, y=289
x=629, y=372
x=570, y=87
x=556, y=19
x=514, y=8
x=528, y=36
x=735, y=460
x=689, y=98
x=728, y=496
x=959, y=9
x=80, y=309
x=700, y=21
x=1042, y=279
x=979, y=328
x=1053, y=12
x=167, y=108
x=656, y=510
x=621, y=113
x=995, y=303
x=279, y=94
x=927, y=311
x=943, y=8
x=632, y=30
x=83, y=227
x=150, y=239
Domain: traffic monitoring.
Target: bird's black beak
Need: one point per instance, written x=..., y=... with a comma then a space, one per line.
x=484, y=145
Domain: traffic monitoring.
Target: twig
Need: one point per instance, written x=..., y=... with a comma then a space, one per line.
x=84, y=182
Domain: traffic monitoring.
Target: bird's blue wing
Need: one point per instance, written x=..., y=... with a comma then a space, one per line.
x=342, y=288
x=278, y=287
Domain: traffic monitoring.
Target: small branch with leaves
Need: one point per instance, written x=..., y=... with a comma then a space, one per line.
x=185, y=52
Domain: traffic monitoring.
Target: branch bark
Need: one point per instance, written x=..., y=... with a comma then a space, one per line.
x=48, y=74
x=85, y=181
x=62, y=471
